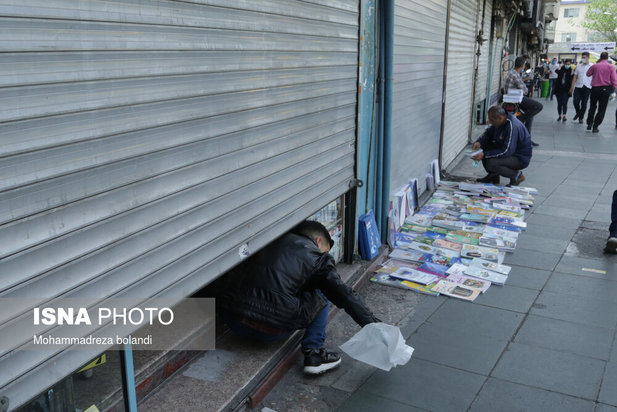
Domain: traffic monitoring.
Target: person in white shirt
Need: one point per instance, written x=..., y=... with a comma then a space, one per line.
x=581, y=87
x=553, y=66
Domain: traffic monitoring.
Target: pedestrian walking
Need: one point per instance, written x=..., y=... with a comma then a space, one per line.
x=581, y=88
x=603, y=82
x=553, y=66
x=563, y=88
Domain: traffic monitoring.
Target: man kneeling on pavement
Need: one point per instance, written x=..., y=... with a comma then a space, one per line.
x=506, y=148
x=287, y=286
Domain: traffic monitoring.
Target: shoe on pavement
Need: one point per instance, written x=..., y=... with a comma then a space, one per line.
x=489, y=178
x=580, y=121
x=611, y=245
x=595, y=130
x=575, y=117
x=588, y=127
x=534, y=144
x=563, y=119
x=515, y=181
x=559, y=118
x=320, y=360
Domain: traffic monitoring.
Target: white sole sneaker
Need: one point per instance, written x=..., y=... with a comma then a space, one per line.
x=316, y=370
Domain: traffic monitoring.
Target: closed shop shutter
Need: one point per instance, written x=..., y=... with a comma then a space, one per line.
x=459, y=86
x=144, y=142
x=497, y=70
x=419, y=43
x=484, y=50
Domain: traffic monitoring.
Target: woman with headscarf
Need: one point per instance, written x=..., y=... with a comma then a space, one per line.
x=562, y=88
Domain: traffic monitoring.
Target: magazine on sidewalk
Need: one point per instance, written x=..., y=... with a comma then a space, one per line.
x=448, y=288
x=414, y=275
x=385, y=279
x=484, y=274
x=471, y=251
x=495, y=267
x=469, y=282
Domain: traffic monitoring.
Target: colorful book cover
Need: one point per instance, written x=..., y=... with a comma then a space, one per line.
x=495, y=267
x=424, y=248
x=456, y=269
x=462, y=237
x=480, y=211
x=414, y=275
x=401, y=254
x=433, y=269
x=471, y=251
x=448, y=244
x=368, y=236
x=474, y=217
x=438, y=259
x=420, y=220
x=413, y=228
x=485, y=274
x=385, y=279
x=470, y=282
x=424, y=239
x=445, y=287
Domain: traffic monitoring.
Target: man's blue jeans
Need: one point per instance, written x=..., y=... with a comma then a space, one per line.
x=314, y=335
x=613, y=227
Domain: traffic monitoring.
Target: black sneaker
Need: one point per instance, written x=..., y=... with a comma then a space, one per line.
x=320, y=360
x=595, y=130
x=588, y=127
x=517, y=181
x=611, y=245
x=580, y=121
x=575, y=117
x=489, y=178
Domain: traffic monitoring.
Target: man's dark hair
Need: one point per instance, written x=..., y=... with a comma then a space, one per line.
x=496, y=111
x=585, y=54
x=604, y=56
x=567, y=61
x=312, y=229
x=519, y=62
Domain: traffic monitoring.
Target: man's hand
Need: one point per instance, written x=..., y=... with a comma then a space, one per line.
x=476, y=146
x=479, y=156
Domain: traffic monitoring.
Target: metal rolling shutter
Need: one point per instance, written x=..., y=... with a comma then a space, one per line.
x=143, y=142
x=497, y=71
x=484, y=50
x=419, y=43
x=459, y=86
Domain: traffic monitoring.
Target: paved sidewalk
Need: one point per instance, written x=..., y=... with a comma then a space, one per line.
x=543, y=342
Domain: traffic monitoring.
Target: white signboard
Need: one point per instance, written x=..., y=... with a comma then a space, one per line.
x=595, y=47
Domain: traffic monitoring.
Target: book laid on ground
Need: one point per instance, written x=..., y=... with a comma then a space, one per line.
x=447, y=244
x=508, y=221
x=433, y=269
x=403, y=239
x=475, y=217
x=464, y=237
x=469, y=282
x=481, y=273
x=445, y=287
x=421, y=220
x=423, y=248
x=502, y=244
x=471, y=251
x=495, y=267
x=413, y=228
x=438, y=259
x=502, y=233
x=385, y=279
x=414, y=275
x=410, y=255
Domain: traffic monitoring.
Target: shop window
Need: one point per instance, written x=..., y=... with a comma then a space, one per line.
x=94, y=387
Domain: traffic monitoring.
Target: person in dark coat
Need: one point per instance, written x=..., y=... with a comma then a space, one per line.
x=287, y=286
x=506, y=148
x=563, y=86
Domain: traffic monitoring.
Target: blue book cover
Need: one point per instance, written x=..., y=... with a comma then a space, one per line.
x=368, y=236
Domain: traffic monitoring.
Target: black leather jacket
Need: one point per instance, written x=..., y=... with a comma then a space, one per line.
x=278, y=286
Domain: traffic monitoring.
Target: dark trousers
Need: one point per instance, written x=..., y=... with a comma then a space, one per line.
x=599, y=100
x=580, y=99
x=613, y=227
x=562, y=101
x=551, y=88
x=505, y=166
x=531, y=108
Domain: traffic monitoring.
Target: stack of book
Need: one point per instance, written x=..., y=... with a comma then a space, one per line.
x=456, y=243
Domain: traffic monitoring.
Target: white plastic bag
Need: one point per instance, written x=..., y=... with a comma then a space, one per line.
x=380, y=345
